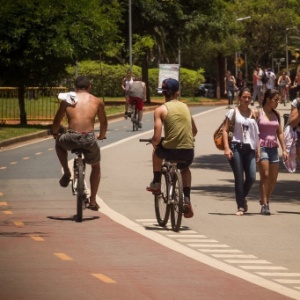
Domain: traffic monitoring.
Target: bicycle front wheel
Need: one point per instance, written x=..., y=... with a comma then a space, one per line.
x=162, y=209
x=135, y=122
x=80, y=191
x=177, y=201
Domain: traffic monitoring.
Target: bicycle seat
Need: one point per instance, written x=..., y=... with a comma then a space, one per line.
x=77, y=150
x=175, y=161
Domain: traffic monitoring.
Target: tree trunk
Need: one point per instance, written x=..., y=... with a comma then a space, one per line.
x=220, y=75
x=23, y=117
x=145, y=76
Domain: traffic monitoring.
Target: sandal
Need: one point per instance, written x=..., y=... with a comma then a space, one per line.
x=239, y=213
x=64, y=181
x=94, y=207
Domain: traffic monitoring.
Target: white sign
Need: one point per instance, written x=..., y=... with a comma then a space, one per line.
x=167, y=71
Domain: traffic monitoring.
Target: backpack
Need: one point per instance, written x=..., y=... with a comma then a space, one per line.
x=264, y=77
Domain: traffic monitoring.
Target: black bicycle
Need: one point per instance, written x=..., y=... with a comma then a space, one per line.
x=135, y=116
x=169, y=202
x=79, y=187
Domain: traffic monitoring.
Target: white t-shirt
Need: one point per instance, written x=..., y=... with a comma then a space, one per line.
x=271, y=80
x=260, y=74
x=245, y=129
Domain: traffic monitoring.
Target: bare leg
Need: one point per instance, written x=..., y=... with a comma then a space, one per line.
x=63, y=158
x=273, y=174
x=157, y=162
x=264, y=182
x=140, y=116
x=94, y=182
x=186, y=177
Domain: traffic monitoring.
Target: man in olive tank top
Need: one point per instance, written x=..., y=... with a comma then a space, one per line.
x=178, y=142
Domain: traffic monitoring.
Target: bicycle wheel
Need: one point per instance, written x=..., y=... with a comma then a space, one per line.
x=135, y=120
x=80, y=191
x=162, y=208
x=177, y=201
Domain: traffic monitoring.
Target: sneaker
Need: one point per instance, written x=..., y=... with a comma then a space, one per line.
x=187, y=208
x=154, y=188
x=140, y=125
x=265, y=210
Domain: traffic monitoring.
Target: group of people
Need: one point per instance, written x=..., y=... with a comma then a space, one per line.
x=255, y=142
x=135, y=90
x=81, y=109
x=266, y=79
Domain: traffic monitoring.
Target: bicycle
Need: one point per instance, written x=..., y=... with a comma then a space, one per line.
x=135, y=116
x=169, y=202
x=79, y=187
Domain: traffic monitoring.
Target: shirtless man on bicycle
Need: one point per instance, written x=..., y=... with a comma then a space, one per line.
x=81, y=110
x=178, y=141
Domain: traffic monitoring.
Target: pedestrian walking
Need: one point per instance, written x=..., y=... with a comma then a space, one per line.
x=270, y=132
x=243, y=150
x=258, y=86
x=127, y=80
x=230, y=85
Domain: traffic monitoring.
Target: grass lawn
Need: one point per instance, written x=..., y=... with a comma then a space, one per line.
x=11, y=129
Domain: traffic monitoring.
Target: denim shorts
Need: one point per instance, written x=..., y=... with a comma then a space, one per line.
x=270, y=154
x=86, y=141
x=186, y=155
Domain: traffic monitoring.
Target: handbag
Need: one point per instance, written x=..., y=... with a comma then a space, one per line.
x=218, y=135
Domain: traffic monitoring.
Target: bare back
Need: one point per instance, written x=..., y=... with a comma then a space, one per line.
x=82, y=116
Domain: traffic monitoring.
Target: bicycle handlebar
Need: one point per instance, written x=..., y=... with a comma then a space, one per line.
x=146, y=140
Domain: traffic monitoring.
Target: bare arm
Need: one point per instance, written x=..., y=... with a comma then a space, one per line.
x=282, y=143
x=103, y=121
x=158, y=124
x=227, y=152
x=294, y=117
x=194, y=128
x=58, y=118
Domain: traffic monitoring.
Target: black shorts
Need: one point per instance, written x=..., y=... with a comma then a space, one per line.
x=186, y=155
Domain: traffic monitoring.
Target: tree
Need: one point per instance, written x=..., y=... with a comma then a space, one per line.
x=40, y=38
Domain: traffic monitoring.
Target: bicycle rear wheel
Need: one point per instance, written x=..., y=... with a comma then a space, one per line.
x=81, y=197
x=135, y=122
x=177, y=201
x=162, y=208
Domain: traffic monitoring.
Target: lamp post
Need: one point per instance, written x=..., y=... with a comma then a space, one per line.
x=236, y=53
x=130, y=34
x=286, y=49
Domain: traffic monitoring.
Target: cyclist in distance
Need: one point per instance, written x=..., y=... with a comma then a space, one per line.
x=127, y=80
x=137, y=92
x=178, y=141
x=81, y=109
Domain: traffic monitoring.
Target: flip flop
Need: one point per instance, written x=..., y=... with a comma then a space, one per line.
x=94, y=207
x=64, y=181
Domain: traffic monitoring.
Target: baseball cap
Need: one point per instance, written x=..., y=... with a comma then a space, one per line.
x=169, y=85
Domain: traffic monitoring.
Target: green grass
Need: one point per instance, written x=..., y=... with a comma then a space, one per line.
x=36, y=108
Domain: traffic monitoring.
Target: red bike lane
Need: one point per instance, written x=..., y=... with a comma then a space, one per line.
x=55, y=258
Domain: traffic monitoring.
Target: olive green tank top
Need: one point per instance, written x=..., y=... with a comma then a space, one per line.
x=178, y=126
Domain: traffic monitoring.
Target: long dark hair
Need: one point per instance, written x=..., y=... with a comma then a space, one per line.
x=242, y=90
x=269, y=94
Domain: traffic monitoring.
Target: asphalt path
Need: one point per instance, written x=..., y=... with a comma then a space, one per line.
x=121, y=252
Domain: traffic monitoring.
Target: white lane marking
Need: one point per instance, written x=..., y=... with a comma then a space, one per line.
x=288, y=281
x=234, y=256
x=220, y=251
x=197, y=240
x=245, y=261
x=278, y=274
x=197, y=255
x=185, y=236
x=262, y=268
x=209, y=246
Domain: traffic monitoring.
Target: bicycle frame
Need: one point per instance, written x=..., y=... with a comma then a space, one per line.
x=135, y=116
x=79, y=187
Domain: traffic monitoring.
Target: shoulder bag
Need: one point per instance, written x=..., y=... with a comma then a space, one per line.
x=218, y=135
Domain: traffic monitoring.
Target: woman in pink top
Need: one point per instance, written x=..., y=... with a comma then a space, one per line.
x=270, y=131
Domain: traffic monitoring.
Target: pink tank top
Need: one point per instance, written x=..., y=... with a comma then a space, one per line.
x=268, y=131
